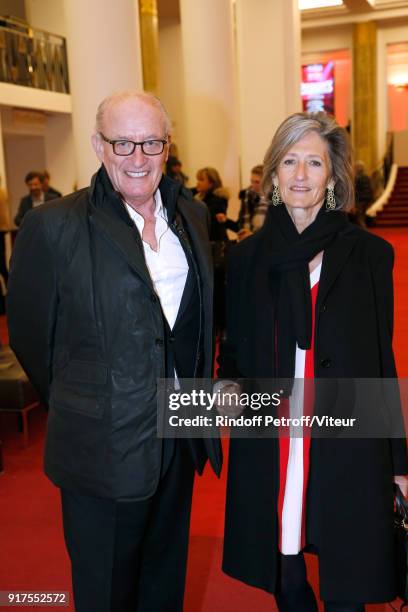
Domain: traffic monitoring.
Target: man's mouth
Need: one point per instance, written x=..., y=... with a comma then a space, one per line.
x=139, y=174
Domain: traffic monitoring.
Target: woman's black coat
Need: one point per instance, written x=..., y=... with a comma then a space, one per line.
x=350, y=494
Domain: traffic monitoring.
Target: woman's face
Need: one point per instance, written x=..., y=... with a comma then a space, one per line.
x=304, y=173
x=203, y=183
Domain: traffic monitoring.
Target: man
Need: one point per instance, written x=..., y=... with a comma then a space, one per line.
x=109, y=290
x=47, y=187
x=253, y=209
x=36, y=197
x=364, y=193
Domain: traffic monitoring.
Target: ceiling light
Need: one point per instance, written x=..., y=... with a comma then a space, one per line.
x=316, y=4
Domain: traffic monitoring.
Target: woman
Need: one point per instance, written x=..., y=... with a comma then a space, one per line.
x=310, y=295
x=209, y=189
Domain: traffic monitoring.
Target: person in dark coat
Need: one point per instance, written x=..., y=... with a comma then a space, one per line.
x=310, y=295
x=253, y=209
x=36, y=197
x=364, y=193
x=110, y=290
x=47, y=188
x=174, y=170
x=210, y=190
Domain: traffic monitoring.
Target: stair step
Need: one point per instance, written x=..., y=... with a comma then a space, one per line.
x=389, y=223
x=392, y=205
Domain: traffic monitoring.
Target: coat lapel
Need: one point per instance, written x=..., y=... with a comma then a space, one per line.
x=199, y=238
x=125, y=238
x=109, y=216
x=334, y=259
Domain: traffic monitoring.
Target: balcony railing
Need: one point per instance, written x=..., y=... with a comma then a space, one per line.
x=31, y=57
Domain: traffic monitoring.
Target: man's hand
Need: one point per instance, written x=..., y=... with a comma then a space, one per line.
x=244, y=233
x=229, y=394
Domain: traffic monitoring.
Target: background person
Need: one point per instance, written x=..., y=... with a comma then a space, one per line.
x=174, y=170
x=111, y=288
x=209, y=189
x=47, y=187
x=36, y=196
x=311, y=296
x=364, y=193
x=253, y=208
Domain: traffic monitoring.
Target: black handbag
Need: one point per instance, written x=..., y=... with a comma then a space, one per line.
x=401, y=545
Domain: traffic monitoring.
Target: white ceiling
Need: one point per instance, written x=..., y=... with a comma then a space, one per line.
x=169, y=10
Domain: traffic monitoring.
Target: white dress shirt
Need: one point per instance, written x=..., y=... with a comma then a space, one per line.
x=38, y=201
x=168, y=265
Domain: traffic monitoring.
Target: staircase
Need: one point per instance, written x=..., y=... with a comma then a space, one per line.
x=395, y=212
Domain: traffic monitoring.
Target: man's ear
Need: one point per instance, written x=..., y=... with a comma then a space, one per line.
x=97, y=145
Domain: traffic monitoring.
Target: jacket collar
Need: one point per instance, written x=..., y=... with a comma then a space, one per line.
x=108, y=212
x=102, y=194
x=198, y=233
x=334, y=260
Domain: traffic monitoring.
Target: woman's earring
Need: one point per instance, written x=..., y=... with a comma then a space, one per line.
x=276, y=199
x=330, y=199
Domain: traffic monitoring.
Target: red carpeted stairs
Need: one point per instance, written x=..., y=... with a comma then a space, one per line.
x=395, y=212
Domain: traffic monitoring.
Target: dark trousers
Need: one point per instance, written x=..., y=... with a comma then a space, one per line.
x=131, y=556
x=296, y=594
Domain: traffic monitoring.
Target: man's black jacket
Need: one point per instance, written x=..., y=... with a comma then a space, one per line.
x=88, y=328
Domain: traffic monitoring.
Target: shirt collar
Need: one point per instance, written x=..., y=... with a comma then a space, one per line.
x=159, y=210
x=39, y=200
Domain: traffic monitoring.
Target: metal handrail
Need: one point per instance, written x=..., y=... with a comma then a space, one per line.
x=32, y=57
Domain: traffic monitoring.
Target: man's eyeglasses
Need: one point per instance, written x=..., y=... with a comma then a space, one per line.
x=127, y=147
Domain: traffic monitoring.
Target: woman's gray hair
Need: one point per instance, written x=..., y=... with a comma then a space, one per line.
x=142, y=96
x=293, y=129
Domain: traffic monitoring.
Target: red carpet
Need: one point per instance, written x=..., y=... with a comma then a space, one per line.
x=33, y=556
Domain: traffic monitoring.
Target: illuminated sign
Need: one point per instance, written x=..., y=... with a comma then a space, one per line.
x=317, y=88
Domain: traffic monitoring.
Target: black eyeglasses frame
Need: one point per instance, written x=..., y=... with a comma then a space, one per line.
x=135, y=144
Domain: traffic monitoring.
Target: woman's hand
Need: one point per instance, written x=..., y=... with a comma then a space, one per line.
x=221, y=217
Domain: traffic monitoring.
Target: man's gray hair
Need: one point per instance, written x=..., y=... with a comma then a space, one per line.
x=142, y=96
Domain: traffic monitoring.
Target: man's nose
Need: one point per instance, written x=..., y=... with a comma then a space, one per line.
x=138, y=156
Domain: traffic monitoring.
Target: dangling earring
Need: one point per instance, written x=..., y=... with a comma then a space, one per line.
x=330, y=199
x=276, y=199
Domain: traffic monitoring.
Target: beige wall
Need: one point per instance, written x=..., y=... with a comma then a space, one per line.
x=46, y=15
x=52, y=134
x=268, y=58
x=401, y=148
x=60, y=159
x=386, y=35
x=172, y=81
x=327, y=39
x=210, y=99
x=23, y=153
